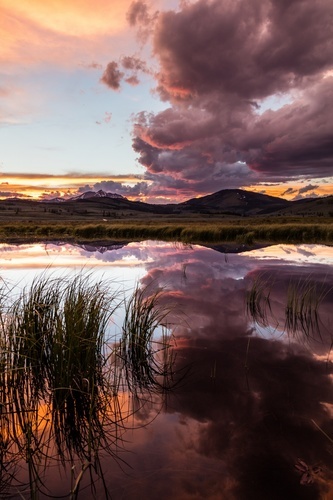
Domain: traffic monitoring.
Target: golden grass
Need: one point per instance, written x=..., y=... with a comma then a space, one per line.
x=243, y=230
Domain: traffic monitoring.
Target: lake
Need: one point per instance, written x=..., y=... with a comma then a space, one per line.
x=248, y=412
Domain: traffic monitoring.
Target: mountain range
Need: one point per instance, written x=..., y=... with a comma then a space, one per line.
x=227, y=202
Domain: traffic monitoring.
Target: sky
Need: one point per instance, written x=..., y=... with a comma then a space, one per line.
x=166, y=100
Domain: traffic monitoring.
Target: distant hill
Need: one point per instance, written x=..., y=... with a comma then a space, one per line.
x=235, y=202
x=311, y=206
x=100, y=204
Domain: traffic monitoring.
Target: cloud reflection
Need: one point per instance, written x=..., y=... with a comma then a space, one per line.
x=251, y=405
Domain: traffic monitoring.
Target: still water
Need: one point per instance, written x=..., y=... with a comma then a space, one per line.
x=250, y=415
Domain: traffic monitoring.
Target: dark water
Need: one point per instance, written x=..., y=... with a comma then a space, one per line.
x=251, y=414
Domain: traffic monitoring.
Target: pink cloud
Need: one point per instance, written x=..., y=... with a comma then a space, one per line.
x=217, y=61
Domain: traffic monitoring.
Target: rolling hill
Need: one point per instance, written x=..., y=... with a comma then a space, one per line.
x=227, y=202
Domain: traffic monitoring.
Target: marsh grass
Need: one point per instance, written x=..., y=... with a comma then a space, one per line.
x=302, y=309
x=187, y=230
x=258, y=303
x=147, y=362
x=60, y=378
x=302, y=303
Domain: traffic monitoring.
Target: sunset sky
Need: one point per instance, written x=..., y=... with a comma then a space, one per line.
x=165, y=100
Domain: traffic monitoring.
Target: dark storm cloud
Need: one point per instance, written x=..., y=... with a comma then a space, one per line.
x=251, y=49
x=184, y=147
x=296, y=139
x=217, y=61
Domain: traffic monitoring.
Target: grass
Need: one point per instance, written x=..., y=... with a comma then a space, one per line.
x=241, y=231
x=258, y=300
x=60, y=377
x=301, y=310
x=143, y=317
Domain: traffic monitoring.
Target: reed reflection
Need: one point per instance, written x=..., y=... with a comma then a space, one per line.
x=63, y=387
x=253, y=416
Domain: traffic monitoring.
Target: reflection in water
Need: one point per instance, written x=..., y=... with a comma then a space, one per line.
x=253, y=418
x=60, y=381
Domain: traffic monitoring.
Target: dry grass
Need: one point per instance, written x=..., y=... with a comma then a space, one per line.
x=245, y=231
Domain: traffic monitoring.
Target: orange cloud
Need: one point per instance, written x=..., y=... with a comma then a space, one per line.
x=290, y=190
x=77, y=17
x=37, y=185
x=32, y=31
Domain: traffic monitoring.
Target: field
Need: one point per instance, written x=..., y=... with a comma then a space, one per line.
x=183, y=229
x=105, y=219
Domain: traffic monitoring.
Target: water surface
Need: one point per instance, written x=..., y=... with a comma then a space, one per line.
x=251, y=417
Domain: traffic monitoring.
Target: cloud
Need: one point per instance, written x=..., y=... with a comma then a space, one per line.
x=295, y=140
x=139, y=16
x=61, y=32
x=250, y=49
x=217, y=61
x=112, y=76
x=134, y=63
x=305, y=189
x=289, y=191
x=132, y=80
x=138, y=13
x=10, y=194
x=138, y=189
x=106, y=119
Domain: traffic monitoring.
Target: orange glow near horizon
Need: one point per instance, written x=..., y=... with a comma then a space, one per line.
x=38, y=185
x=280, y=190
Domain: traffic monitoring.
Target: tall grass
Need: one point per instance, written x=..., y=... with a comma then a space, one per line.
x=241, y=231
x=143, y=368
x=60, y=377
x=258, y=303
x=301, y=311
x=302, y=308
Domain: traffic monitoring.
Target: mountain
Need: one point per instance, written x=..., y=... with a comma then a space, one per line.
x=103, y=205
x=97, y=194
x=235, y=202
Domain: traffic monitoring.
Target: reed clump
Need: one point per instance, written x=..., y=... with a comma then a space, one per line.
x=302, y=309
x=258, y=303
x=60, y=376
x=143, y=367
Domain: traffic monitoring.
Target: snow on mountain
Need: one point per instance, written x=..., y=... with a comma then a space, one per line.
x=97, y=194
